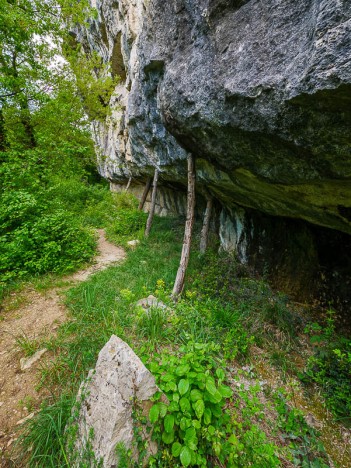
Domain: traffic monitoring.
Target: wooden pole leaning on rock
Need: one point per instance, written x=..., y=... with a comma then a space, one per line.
x=145, y=193
x=153, y=204
x=128, y=184
x=206, y=226
x=190, y=216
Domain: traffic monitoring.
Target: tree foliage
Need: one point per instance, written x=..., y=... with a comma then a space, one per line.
x=45, y=114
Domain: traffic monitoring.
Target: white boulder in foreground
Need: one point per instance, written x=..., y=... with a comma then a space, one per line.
x=107, y=400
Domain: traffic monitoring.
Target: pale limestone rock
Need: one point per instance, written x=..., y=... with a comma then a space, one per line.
x=119, y=378
x=26, y=363
x=21, y=421
x=133, y=243
x=151, y=301
x=256, y=114
x=268, y=121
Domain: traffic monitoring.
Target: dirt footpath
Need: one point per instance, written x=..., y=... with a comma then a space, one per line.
x=37, y=318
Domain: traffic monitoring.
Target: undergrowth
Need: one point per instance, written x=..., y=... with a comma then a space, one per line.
x=201, y=351
x=330, y=367
x=48, y=231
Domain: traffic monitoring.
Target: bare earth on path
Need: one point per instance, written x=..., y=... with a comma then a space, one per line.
x=37, y=318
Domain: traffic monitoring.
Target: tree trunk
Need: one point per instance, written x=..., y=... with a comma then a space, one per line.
x=153, y=203
x=128, y=184
x=190, y=215
x=146, y=191
x=206, y=226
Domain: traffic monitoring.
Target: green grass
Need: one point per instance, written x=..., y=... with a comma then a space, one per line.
x=43, y=439
x=50, y=232
x=224, y=309
x=152, y=324
x=27, y=345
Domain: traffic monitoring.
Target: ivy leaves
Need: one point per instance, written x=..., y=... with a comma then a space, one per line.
x=194, y=423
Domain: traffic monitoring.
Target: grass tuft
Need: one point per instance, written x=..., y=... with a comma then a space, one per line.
x=42, y=440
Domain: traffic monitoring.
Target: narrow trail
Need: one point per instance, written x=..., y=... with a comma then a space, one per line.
x=38, y=318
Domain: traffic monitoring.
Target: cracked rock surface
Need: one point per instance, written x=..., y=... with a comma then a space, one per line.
x=259, y=91
x=107, y=399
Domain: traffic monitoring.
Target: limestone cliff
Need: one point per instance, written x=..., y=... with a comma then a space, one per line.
x=259, y=92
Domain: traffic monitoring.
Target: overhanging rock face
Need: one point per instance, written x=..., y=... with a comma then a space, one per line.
x=258, y=91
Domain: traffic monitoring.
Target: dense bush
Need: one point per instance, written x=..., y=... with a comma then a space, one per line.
x=38, y=238
x=128, y=221
x=46, y=220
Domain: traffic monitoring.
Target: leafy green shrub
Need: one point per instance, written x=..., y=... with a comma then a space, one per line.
x=42, y=227
x=37, y=241
x=16, y=206
x=330, y=367
x=77, y=195
x=197, y=427
x=109, y=210
x=128, y=221
x=194, y=425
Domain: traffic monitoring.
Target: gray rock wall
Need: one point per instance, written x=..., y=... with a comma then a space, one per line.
x=259, y=92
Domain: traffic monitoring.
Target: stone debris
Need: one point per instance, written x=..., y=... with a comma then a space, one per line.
x=133, y=243
x=21, y=421
x=107, y=398
x=312, y=421
x=9, y=442
x=26, y=363
x=151, y=302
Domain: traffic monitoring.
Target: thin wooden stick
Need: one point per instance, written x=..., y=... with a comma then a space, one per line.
x=206, y=226
x=128, y=184
x=152, y=206
x=145, y=193
x=190, y=216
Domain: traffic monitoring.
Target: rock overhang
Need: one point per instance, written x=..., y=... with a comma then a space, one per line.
x=260, y=92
